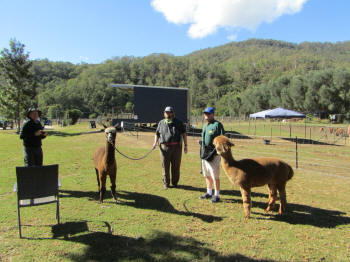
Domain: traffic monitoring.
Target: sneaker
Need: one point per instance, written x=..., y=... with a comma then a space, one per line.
x=205, y=196
x=215, y=199
x=175, y=185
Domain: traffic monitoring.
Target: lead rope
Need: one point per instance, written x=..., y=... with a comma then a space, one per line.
x=131, y=158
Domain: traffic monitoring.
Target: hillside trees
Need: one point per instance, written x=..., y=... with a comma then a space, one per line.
x=238, y=78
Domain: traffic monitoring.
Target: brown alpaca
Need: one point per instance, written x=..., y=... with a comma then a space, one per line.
x=105, y=163
x=248, y=173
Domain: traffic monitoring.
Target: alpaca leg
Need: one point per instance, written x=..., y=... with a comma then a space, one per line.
x=113, y=186
x=246, y=201
x=283, y=199
x=272, y=197
x=102, y=186
x=98, y=180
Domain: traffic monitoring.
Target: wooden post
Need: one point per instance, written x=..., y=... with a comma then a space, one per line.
x=264, y=125
x=255, y=127
x=310, y=135
x=296, y=152
x=249, y=127
x=280, y=129
x=271, y=133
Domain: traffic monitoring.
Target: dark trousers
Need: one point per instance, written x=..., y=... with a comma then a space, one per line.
x=171, y=155
x=33, y=156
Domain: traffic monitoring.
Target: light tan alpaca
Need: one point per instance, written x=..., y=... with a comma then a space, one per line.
x=248, y=173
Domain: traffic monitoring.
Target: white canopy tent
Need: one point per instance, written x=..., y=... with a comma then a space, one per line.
x=277, y=113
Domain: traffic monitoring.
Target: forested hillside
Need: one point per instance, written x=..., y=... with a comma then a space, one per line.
x=237, y=78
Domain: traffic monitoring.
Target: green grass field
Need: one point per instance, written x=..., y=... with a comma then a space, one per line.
x=149, y=223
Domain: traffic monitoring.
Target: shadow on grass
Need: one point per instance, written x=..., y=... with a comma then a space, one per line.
x=142, y=201
x=222, y=192
x=308, y=141
x=306, y=215
x=160, y=246
x=67, y=134
x=161, y=204
x=91, y=195
x=296, y=214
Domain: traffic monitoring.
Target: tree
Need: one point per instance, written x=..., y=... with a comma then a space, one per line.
x=55, y=112
x=17, y=90
x=73, y=115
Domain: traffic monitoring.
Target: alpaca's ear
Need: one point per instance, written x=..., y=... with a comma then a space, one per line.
x=104, y=126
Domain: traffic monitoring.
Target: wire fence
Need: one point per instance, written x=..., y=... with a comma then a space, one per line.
x=323, y=151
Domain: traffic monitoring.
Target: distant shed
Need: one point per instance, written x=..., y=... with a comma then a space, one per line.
x=150, y=101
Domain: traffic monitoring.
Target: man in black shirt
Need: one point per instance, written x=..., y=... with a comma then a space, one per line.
x=170, y=133
x=32, y=133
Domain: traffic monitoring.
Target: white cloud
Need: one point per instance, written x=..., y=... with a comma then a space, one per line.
x=206, y=16
x=232, y=37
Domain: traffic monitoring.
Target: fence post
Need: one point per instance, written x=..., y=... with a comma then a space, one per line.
x=310, y=136
x=290, y=130
x=271, y=133
x=296, y=152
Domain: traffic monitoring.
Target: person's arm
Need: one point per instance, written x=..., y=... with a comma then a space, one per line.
x=28, y=132
x=184, y=135
x=200, y=141
x=156, y=136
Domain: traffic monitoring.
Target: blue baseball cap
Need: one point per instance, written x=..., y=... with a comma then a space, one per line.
x=209, y=110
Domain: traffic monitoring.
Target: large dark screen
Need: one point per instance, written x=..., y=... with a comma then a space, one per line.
x=150, y=103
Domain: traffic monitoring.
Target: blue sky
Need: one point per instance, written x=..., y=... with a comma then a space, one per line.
x=95, y=30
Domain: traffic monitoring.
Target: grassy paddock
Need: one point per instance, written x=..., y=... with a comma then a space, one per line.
x=152, y=224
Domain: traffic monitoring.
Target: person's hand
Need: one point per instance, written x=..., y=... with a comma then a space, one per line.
x=37, y=133
x=43, y=134
x=185, y=149
x=200, y=141
x=154, y=145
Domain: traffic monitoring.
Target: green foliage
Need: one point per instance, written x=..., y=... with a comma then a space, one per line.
x=17, y=87
x=72, y=115
x=55, y=112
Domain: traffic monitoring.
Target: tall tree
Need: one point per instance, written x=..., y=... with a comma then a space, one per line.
x=17, y=88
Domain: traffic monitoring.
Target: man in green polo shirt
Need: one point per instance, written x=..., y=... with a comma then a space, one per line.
x=210, y=159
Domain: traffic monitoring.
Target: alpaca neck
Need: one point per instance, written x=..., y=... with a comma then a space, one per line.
x=228, y=160
x=110, y=155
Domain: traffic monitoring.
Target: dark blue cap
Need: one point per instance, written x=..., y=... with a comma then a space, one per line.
x=209, y=110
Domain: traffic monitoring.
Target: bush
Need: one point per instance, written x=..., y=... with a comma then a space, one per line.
x=72, y=115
